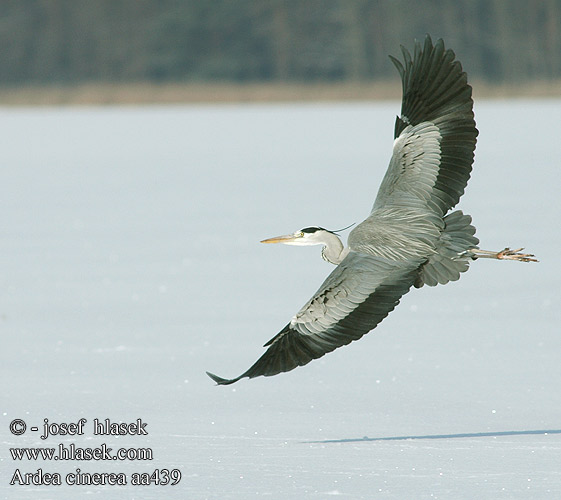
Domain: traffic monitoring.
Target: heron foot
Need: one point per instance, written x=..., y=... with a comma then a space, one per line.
x=504, y=254
x=508, y=254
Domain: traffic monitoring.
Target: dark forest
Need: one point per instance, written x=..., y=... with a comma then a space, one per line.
x=76, y=41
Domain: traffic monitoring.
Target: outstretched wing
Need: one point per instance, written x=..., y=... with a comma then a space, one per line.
x=435, y=135
x=354, y=298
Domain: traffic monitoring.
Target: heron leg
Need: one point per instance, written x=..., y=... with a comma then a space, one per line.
x=505, y=254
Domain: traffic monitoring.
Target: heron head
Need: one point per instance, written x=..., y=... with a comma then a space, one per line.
x=308, y=236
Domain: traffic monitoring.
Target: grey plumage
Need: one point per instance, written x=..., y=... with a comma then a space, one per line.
x=409, y=238
x=452, y=252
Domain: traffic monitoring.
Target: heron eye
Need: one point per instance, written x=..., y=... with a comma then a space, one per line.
x=301, y=234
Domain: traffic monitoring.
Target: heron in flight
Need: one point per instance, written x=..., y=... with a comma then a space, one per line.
x=411, y=237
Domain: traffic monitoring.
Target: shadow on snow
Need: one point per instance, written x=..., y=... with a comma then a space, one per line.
x=442, y=436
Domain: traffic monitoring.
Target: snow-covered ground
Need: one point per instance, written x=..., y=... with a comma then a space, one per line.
x=130, y=264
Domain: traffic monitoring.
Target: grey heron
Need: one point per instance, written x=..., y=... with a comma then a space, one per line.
x=411, y=237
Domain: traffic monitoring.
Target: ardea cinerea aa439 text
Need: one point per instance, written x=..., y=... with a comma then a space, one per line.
x=410, y=237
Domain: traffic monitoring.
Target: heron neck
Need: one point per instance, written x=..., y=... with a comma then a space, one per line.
x=333, y=249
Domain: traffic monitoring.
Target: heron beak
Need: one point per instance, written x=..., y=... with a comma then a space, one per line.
x=287, y=238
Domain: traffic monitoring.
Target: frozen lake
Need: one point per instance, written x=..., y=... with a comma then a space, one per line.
x=131, y=264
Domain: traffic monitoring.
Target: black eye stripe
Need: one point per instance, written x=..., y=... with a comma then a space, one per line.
x=311, y=229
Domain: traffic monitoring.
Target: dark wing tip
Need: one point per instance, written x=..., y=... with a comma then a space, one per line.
x=222, y=381
x=397, y=63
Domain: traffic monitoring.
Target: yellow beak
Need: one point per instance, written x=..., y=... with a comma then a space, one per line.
x=281, y=239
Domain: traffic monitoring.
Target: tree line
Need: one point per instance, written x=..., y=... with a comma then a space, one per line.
x=70, y=41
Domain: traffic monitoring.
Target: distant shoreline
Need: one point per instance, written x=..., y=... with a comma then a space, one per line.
x=209, y=93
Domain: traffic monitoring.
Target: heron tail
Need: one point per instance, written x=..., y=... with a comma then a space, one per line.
x=451, y=257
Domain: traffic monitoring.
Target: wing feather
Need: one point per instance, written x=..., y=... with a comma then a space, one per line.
x=354, y=298
x=437, y=122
